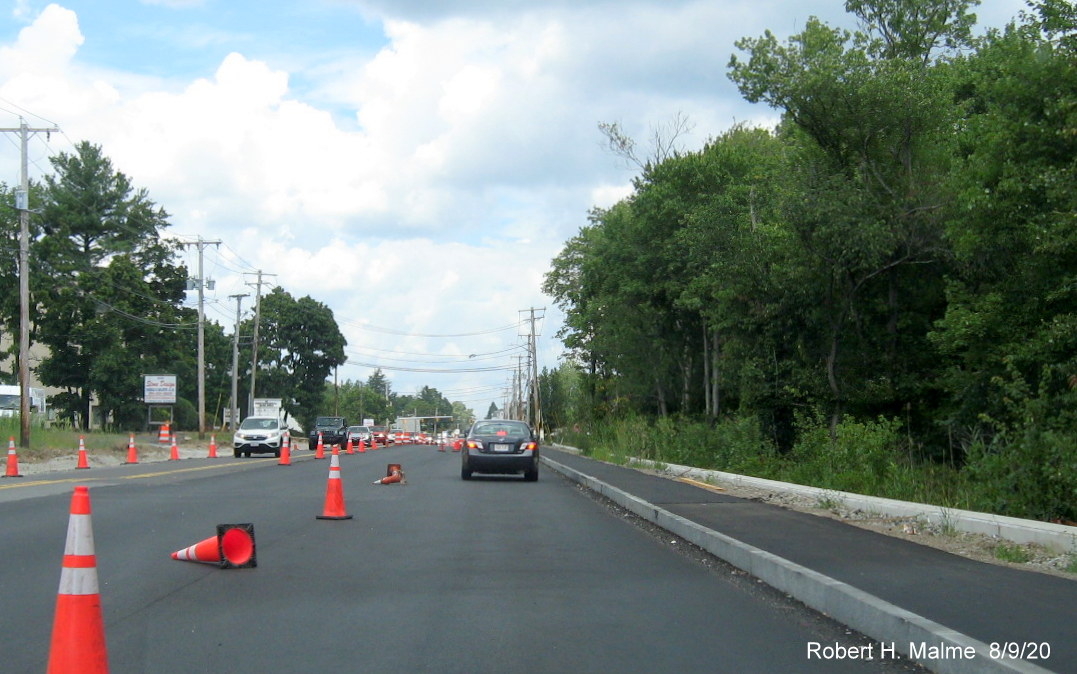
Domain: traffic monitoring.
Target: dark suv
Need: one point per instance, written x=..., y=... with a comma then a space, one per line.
x=500, y=446
x=334, y=431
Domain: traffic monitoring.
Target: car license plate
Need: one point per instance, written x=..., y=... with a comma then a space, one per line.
x=502, y=448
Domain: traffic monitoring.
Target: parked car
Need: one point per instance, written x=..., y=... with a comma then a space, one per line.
x=359, y=435
x=258, y=435
x=500, y=446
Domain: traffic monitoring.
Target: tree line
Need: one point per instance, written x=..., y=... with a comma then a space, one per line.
x=106, y=299
x=900, y=252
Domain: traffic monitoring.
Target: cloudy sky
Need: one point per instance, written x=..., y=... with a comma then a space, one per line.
x=412, y=164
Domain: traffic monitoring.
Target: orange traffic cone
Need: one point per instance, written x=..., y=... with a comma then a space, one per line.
x=164, y=435
x=174, y=456
x=83, y=463
x=12, y=460
x=393, y=474
x=212, y=447
x=320, y=454
x=373, y=442
x=362, y=446
x=78, y=629
x=132, y=452
x=285, y=452
x=231, y=548
x=334, y=493
x=350, y=449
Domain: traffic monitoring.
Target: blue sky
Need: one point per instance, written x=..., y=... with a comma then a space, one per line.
x=413, y=164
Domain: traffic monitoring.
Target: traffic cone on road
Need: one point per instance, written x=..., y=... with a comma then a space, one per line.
x=373, y=442
x=320, y=454
x=78, y=628
x=212, y=447
x=334, y=493
x=132, y=452
x=12, y=460
x=164, y=435
x=350, y=449
x=285, y=452
x=393, y=474
x=174, y=455
x=83, y=463
x=231, y=548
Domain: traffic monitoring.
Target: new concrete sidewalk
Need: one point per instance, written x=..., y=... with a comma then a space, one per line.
x=949, y=613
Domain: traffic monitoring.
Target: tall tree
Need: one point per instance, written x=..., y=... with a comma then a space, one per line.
x=872, y=115
x=301, y=347
x=101, y=246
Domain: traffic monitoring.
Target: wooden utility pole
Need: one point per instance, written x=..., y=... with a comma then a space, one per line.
x=22, y=204
x=233, y=402
x=201, y=280
x=254, y=342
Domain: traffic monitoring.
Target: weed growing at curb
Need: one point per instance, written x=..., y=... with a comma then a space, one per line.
x=1012, y=553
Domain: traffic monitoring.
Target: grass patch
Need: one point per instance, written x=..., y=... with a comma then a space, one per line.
x=829, y=501
x=1014, y=553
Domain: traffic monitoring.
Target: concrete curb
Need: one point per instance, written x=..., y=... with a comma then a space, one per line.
x=1058, y=537
x=866, y=613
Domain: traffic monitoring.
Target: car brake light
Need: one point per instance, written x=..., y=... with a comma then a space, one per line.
x=474, y=444
x=529, y=445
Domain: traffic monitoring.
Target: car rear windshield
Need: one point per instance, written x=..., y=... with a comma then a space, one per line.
x=502, y=428
x=329, y=421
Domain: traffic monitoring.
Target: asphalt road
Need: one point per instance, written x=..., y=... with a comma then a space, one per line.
x=440, y=575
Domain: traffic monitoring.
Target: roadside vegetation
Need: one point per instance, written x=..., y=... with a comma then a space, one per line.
x=879, y=295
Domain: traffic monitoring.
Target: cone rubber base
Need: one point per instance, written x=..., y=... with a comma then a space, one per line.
x=332, y=517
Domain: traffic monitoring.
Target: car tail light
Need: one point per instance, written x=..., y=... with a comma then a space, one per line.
x=474, y=444
x=528, y=445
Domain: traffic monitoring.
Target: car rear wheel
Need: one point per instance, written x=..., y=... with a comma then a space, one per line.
x=531, y=475
x=465, y=473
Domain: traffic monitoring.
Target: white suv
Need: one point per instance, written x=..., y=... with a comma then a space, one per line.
x=258, y=435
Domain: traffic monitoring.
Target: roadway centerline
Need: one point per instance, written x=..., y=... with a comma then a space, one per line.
x=80, y=479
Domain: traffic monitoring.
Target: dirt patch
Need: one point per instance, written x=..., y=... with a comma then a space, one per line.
x=148, y=450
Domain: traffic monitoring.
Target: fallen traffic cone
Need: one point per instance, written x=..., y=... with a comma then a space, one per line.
x=164, y=435
x=174, y=456
x=12, y=460
x=78, y=629
x=393, y=474
x=285, y=452
x=132, y=452
x=83, y=463
x=212, y=447
x=334, y=493
x=231, y=548
x=320, y=454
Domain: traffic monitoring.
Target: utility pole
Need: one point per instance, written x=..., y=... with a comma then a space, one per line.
x=233, y=402
x=254, y=342
x=532, y=351
x=22, y=204
x=201, y=280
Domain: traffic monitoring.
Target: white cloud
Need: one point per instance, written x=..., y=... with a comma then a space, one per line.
x=454, y=162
